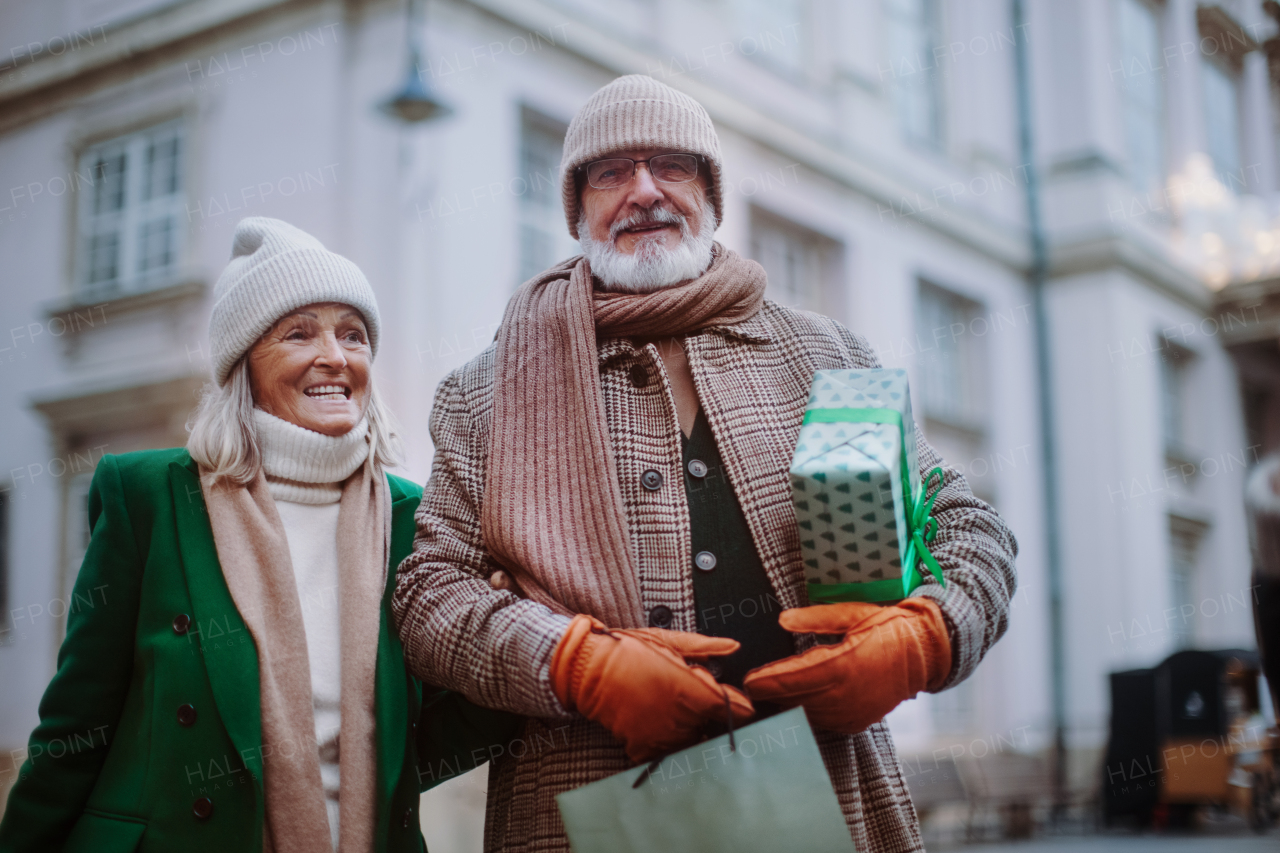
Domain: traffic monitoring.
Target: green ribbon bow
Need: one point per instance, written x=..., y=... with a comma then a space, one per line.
x=921, y=525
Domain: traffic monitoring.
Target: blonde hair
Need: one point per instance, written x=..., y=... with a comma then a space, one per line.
x=224, y=442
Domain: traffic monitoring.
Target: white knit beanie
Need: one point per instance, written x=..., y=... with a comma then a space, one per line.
x=276, y=269
x=636, y=111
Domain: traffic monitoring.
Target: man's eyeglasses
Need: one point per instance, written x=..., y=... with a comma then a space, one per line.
x=667, y=168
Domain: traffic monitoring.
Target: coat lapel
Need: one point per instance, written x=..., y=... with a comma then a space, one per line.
x=390, y=690
x=753, y=392
x=232, y=665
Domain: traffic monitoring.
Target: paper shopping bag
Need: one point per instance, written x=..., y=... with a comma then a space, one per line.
x=769, y=791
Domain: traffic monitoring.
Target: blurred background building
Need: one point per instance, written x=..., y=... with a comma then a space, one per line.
x=874, y=165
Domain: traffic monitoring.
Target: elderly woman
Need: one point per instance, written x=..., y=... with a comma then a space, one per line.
x=242, y=687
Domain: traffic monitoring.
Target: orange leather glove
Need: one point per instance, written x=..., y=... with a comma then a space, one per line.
x=637, y=685
x=889, y=654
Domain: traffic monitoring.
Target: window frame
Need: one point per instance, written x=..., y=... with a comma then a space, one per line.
x=929, y=29
x=1226, y=173
x=6, y=576
x=138, y=210
x=1131, y=105
x=825, y=253
x=751, y=22
x=1176, y=364
x=1185, y=538
x=971, y=415
x=547, y=221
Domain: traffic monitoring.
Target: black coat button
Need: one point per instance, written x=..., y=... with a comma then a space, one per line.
x=651, y=480
x=705, y=560
x=639, y=376
x=186, y=715
x=697, y=468
x=202, y=808
x=715, y=668
x=407, y=820
x=660, y=617
x=181, y=623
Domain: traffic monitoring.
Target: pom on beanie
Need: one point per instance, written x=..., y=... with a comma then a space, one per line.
x=276, y=269
x=636, y=111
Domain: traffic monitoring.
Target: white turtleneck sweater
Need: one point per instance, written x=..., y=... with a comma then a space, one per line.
x=305, y=471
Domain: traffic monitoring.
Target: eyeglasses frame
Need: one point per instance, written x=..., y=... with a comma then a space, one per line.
x=698, y=158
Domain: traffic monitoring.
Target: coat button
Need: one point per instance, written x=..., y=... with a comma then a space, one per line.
x=705, y=560
x=715, y=668
x=639, y=376
x=186, y=715
x=651, y=480
x=407, y=820
x=202, y=808
x=697, y=468
x=660, y=617
x=181, y=623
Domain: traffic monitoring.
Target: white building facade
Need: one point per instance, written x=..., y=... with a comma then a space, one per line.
x=872, y=164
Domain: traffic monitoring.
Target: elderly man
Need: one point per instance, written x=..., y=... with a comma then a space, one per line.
x=621, y=454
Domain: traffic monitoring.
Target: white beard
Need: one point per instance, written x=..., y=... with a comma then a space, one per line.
x=652, y=266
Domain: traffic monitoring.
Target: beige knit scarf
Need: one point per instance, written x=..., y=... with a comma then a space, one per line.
x=553, y=512
x=254, y=553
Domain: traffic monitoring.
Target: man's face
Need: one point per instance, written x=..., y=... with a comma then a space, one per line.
x=605, y=209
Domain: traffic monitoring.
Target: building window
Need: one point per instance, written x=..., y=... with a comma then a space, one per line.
x=5, y=505
x=1175, y=363
x=1142, y=88
x=130, y=212
x=1184, y=542
x=544, y=237
x=951, y=371
x=804, y=267
x=1222, y=121
x=950, y=386
x=914, y=30
x=771, y=30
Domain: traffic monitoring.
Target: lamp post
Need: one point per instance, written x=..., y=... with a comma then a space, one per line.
x=415, y=101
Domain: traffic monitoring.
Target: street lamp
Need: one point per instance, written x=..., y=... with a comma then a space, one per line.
x=415, y=101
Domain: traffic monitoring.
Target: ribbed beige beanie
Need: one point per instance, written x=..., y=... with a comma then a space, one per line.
x=636, y=111
x=276, y=268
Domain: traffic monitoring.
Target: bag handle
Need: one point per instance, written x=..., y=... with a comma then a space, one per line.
x=733, y=745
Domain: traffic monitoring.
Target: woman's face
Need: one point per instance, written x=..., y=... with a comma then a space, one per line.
x=312, y=368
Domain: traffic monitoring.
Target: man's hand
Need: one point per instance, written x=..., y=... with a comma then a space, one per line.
x=889, y=654
x=637, y=684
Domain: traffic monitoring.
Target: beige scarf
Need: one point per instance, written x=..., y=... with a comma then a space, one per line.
x=254, y=554
x=553, y=512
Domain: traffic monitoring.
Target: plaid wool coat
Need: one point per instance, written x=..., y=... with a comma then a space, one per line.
x=753, y=381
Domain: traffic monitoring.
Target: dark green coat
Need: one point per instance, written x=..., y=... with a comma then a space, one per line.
x=114, y=765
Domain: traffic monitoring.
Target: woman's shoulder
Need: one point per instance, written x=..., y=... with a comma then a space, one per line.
x=142, y=466
x=137, y=488
x=402, y=488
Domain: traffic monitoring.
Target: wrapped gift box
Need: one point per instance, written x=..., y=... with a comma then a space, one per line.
x=854, y=483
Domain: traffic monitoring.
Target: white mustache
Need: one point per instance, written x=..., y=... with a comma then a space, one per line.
x=646, y=217
x=653, y=264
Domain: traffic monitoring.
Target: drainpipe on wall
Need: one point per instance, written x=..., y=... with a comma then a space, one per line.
x=1036, y=278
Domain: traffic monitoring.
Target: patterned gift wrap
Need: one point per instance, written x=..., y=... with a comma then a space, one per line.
x=864, y=521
